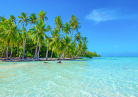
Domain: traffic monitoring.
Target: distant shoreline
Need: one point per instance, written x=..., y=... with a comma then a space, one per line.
x=32, y=59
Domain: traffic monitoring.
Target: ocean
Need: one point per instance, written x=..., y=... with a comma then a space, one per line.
x=96, y=77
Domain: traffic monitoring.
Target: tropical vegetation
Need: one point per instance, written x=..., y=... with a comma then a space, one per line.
x=31, y=36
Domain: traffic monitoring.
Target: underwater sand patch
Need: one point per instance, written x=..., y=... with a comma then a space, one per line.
x=14, y=66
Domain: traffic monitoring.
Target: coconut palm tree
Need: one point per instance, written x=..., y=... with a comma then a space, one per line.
x=3, y=33
x=58, y=22
x=73, y=46
x=23, y=21
x=8, y=33
x=79, y=48
x=32, y=18
x=38, y=34
x=66, y=30
x=78, y=39
x=42, y=15
x=2, y=47
x=47, y=39
x=19, y=40
x=12, y=18
x=66, y=42
x=2, y=19
x=54, y=44
x=34, y=36
x=74, y=24
x=84, y=45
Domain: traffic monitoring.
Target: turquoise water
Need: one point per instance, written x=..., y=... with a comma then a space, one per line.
x=97, y=77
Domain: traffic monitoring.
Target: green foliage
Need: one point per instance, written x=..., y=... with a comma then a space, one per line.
x=40, y=37
x=91, y=54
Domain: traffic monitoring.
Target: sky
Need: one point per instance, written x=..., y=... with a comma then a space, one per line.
x=111, y=26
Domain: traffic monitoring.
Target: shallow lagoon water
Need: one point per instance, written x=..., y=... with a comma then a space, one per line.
x=97, y=77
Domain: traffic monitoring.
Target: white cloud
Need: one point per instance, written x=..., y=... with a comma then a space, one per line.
x=99, y=15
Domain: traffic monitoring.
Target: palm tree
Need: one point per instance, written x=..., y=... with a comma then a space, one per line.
x=12, y=18
x=23, y=21
x=41, y=18
x=74, y=24
x=47, y=39
x=73, y=48
x=8, y=33
x=64, y=45
x=59, y=25
x=42, y=15
x=58, y=22
x=2, y=47
x=38, y=34
x=2, y=19
x=78, y=39
x=34, y=37
x=84, y=45
x=66, y=30
x=32, y=18
x=54, y=44
x=79, y=48
x=3, y=33
x=18, y=40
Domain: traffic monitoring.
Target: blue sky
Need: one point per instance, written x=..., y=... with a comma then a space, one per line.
x=111, y=26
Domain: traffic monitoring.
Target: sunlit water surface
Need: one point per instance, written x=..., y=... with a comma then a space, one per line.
x=97, y=77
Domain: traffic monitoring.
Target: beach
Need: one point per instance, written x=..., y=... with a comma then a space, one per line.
x=32, y=59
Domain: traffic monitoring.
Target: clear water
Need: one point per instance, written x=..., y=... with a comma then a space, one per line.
x=97, y=77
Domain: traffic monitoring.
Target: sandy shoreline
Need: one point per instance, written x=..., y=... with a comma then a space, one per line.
x=32, y=59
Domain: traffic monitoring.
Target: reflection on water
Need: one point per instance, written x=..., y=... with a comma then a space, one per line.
x=102, y=77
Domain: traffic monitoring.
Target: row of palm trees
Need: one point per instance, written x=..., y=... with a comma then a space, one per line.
x=64, y=39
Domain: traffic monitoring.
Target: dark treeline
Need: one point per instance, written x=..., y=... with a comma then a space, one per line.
x=32, y=37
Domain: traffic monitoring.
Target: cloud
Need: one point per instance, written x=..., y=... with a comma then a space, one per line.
x=99, y=15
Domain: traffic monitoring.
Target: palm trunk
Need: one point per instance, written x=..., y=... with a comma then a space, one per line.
x=47, y=50
x=77, y=54
x=72, y=34
x=74, y=53
x=70, y=55
x=11, y=52
x=38, y=52
x=51, y=54
x=23, y=44
x=20, y=53
x=2, y=52
x=18, y=50
x=73, y=56
x=57, y=54
x=62, y=53
x=35, y=56
x=7, y=52
x=83, y=54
